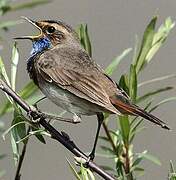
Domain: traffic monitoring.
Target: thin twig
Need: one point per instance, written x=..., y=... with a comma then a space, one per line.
x=126, y=166
x=18, y=174
x=109, y=136
x=63, y=139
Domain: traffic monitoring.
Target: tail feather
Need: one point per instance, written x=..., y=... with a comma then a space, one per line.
x=150, y=117
x=131, y=109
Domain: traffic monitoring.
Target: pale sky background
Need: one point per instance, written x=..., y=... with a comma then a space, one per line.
x=112, y=25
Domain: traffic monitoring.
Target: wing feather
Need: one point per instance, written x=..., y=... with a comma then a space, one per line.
x=76, y=73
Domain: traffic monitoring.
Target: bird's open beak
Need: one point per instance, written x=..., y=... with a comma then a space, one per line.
x=34, y=24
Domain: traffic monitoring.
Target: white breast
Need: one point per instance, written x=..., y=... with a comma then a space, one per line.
x=68, y=101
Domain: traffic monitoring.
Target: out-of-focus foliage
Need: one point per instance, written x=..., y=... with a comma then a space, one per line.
x=7, y=6
x=172, y=172
x=10, y=5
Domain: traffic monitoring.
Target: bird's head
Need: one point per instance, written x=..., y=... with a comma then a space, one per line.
x=52, y=33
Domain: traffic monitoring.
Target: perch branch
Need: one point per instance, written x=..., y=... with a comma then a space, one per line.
x=63, y=138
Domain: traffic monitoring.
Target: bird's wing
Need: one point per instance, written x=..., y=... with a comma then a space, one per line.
x=78, y=74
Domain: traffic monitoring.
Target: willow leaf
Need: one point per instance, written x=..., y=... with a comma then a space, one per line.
x=113, y=65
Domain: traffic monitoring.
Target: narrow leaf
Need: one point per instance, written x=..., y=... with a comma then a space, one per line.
x=3, y=74
x=152, y=159
x=113, y=65
x=7, y=24
x=159, y=79
x=27, y=5
x=133, y=84
x=146, y=44
x=123, y=83
x=155, y=92
x=15, y=59
x=73, y=170
x=125, y=127
x=163, y=102
x=87, y=42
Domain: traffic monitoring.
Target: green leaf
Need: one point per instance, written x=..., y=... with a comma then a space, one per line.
x=172, y=173
x=125, y=127
x=137, y=162
x=39, y=136
x=155, y=92
x=107, y=168
x=36, y=133
x=21, y=128
x=15, y=146
x=17, y=133
x=30, y=5
x=83, y=35
x=7, y=6
x=146, y=155
x=145, y=45
x=3, y=75
x=160, y=37
x=113, y=65
x=172, y=168
x=152, y=159
x=73, y=170
x=163, y=102
x=5, y=25
x=139, y=169
x=90, y=174
x=133, y=83
x=123, y=83
x=14, y=64
x=28, y=90
x=159, y=79
x=84, y=173
x=104, y=138
x=88, y=47
x=27, y=93
x=107, y=150
x=11, y=127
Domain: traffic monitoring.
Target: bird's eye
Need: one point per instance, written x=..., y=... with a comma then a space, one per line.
x=51, y=29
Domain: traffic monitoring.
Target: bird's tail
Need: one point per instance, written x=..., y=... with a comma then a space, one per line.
x=131, y=109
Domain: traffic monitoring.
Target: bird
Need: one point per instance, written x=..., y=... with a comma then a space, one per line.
x=71, y=79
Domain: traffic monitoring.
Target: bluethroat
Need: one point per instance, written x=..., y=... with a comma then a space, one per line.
x=71, y=79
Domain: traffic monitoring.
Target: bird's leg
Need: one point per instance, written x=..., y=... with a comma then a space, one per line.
x=76, y=119
x=35, y=104
x=100, y=118
x=35, y=118
x=35, y=114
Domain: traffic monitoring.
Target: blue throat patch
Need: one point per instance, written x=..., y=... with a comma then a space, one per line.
x=40, y=45
x=37, y=47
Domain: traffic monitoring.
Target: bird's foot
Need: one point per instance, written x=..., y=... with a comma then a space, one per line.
x=76, y=119
x=80, y=160
x=34, y=114
x=91, y=156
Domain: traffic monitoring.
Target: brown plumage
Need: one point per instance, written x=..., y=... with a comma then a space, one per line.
x=68, y=76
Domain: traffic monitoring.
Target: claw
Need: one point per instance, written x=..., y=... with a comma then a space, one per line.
x=34, y=115
x=76, y=118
